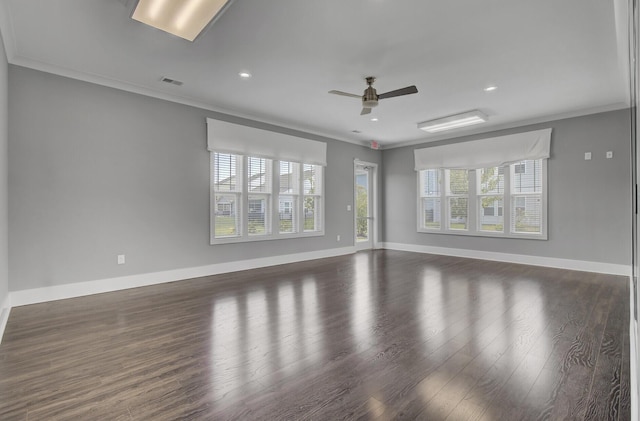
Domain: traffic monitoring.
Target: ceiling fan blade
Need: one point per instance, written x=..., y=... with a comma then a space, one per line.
x=365, y=111
x=398, y=92
x=345, y=94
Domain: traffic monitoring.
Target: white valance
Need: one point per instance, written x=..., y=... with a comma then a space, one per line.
x=485, y=153
x=243, y=140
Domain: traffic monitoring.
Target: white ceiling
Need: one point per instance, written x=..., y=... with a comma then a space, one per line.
x=549, y=59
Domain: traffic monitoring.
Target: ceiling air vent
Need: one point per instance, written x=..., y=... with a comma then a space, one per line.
x=171, y=81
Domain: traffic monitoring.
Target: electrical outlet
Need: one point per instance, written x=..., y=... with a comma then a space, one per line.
x=338, y=237
x=609, y=154
x=587, y=156
x=121, y=259
x=349, y=208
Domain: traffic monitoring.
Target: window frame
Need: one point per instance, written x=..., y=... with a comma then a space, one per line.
x=473, y=210
x=273, y=205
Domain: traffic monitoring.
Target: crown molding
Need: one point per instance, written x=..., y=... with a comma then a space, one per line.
x=510, y=125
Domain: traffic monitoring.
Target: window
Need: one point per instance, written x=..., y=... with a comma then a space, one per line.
x=490, y=193
x=457, y=198
x=227, y=194
x=430, y=198
x=288, y=198
x=259, y=190
x=246, y=208
x=265, y=185
x=312, y=197
x=474, y=200
x=526, y=198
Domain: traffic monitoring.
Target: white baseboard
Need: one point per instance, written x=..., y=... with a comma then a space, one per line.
x=552, y=262
x=79, y=289
x=5, y=309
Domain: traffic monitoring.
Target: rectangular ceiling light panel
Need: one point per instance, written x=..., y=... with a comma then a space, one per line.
x=183, y=18
x=453, y=122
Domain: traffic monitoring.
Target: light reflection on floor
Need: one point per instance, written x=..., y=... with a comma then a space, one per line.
x=479, y=325
x=361, y=307
x=276, y=339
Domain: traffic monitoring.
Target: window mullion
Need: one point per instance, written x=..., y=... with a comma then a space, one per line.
x=472, y=212
x=300, y=205
x=212, y=198
x=419, y=209
x=275, y=198
x=444, y=202
x=506, y=202
x=244, y=180
x=544, y=197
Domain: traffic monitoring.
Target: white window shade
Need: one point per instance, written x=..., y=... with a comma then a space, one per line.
x=485, y=153
x=242, y=140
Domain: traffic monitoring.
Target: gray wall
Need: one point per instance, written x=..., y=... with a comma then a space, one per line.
x=4, y=207
x=97, y=172
x=589, y=201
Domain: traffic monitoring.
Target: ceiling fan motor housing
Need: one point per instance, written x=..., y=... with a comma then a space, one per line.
x=370, y=98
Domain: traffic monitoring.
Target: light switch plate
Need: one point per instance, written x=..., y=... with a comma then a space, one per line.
x=587, y=156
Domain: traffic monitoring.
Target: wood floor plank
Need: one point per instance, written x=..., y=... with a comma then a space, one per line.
x=375, y=335
x=494, y=389
x=625, y=372
x=604, y=398
x=492, y=346
x=562, y=389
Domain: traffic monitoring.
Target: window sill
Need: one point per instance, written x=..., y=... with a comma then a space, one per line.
x=259, y=238
x=486, y=234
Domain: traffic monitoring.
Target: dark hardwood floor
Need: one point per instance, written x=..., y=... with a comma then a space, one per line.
x=380, y=335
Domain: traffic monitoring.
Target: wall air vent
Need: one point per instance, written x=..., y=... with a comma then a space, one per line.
x=171, y=81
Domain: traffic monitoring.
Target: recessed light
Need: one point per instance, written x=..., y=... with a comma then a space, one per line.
x=244, y=75
x=490, y=88
x=374, y=119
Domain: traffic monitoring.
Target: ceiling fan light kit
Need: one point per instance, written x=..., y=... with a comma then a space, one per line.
x=370, y=97
x=186, y=19
x=453, y=121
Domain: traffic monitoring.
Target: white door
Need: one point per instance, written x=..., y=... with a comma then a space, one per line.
x=364, y=186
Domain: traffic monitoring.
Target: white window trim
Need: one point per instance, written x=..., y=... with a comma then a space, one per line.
x=244, y=236
x=473, y=216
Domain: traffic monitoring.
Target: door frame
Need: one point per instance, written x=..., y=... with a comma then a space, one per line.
x=373, y=201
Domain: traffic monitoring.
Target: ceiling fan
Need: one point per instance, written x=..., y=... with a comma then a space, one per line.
x=370, y=97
